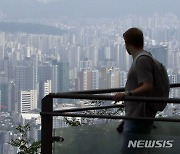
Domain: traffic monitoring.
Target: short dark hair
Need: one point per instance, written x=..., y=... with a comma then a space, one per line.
x=134, y=36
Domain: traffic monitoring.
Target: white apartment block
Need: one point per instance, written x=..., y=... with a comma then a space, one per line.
x=123, y=78
x=95, y=79
x=47, y=87
x=28, y=101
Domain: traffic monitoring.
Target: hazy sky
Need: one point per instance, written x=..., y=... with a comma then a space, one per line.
x=22, y=9
x=48, y=1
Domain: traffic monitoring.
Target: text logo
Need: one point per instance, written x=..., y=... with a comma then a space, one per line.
x=150, y=143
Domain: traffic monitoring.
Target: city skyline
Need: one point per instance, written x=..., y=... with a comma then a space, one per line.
x=90, y=54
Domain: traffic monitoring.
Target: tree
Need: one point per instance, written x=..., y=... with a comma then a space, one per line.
x=24, y=142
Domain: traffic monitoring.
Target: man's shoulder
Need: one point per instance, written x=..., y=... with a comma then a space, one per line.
x=143, y=63
x=144, y=59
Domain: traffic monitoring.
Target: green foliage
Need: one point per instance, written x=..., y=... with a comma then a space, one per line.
x=24, y=142
x=72, y=122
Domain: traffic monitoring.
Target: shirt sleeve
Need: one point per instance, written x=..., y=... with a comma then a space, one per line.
x=144, y=69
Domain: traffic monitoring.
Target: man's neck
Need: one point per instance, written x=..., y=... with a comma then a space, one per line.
x=137, y=52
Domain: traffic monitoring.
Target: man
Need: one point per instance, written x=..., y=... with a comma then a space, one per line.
x=139, y=83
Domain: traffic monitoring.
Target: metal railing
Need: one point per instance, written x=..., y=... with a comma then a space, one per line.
x=47, y=110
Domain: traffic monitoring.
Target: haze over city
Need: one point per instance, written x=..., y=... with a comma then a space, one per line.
x=51, y=46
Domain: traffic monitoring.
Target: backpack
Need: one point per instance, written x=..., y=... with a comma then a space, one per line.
x=160, y=81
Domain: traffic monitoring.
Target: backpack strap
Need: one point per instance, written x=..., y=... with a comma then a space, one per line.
x=148, y=54
x=144, y=53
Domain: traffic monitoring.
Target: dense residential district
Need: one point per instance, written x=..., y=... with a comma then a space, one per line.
x=89, y=54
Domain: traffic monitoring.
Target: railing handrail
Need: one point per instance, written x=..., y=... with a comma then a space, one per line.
x=110, y=97
x=109, y=116
x=110, y=90
x=47, y=109
x=89, y=108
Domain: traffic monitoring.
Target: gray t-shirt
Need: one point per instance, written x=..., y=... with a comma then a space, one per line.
x=140, y=72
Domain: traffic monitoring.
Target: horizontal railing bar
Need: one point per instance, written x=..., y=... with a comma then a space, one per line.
x=110, y=97
x=109, y=117
x=111, y=90
x=174, y=85
x=89, y=108
x=97, y=91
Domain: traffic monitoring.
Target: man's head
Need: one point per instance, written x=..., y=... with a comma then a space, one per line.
x=133, y=38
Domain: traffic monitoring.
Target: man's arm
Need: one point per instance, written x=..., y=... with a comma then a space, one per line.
x=143, y=71
x=140, y=91
x=143, y=89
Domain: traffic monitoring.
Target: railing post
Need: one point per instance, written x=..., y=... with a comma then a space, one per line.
x=47, y=126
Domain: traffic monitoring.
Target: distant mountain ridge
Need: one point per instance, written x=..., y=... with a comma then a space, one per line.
x=30, y=28
x=20, y=9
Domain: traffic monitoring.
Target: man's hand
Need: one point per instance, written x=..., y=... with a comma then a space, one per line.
x=118, y=97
